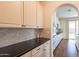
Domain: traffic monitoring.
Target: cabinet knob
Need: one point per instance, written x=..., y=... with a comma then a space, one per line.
x=23, y=25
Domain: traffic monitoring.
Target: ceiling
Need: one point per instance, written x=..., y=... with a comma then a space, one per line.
x=66, y=11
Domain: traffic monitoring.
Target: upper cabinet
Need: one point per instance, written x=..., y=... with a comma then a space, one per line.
x=30, y=14
x=25, y=14
x=39, y=15
x=33, y=14
x=11, y=13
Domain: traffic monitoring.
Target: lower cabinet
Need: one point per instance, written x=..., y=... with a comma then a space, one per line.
x=40, y=51
x=46, y=47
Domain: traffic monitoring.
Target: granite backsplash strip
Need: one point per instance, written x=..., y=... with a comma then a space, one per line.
x=11, y=36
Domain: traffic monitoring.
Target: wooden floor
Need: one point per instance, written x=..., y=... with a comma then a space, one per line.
x=66, y=48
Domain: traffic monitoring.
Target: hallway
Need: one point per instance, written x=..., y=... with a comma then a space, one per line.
x=66, y=48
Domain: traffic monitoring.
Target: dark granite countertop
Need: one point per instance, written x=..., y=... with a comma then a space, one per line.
x=21, y=48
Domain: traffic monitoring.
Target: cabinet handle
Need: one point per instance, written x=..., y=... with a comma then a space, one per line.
x=23, y=25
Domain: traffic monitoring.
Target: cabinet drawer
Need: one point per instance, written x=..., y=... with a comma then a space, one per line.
x=37, y=50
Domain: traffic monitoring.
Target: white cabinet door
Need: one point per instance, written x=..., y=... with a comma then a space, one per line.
x=30, y=14
x=39, y=15
x=11, y=12
x=47, y=49
x=28, y=54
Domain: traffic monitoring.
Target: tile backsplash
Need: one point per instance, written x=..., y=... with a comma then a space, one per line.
x=12, y=36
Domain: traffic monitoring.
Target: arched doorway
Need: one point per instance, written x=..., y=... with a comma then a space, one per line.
x=62, y=15
x=68, y=13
